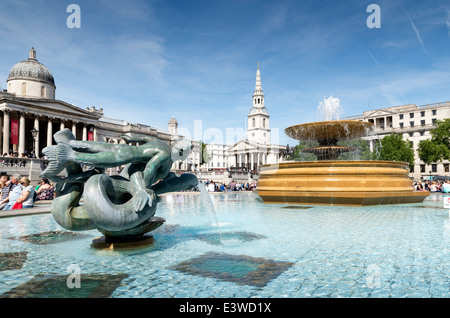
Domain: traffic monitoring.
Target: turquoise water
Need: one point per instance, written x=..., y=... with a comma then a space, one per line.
x=245, y=249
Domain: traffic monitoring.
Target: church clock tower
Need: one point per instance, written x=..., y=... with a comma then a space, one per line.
x=258, y=130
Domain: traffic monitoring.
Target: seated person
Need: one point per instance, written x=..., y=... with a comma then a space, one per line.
x=45, y=190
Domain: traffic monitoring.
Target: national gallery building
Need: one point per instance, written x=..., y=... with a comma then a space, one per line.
x=31, y=115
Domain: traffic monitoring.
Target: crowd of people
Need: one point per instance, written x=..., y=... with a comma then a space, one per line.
x=212, y=186
x=432, y=186
x=16, y=192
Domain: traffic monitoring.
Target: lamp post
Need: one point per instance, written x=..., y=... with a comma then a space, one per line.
x=34, y=132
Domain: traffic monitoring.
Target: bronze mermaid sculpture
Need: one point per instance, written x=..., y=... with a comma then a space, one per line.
x=122, y=206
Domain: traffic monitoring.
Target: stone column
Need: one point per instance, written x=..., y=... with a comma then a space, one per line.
x=6, y=131
x=21, y=134
x=36, y=141
x=95, y=134
x=84, y=137
x=74, y=129
x=49, y=132
x=61, y=126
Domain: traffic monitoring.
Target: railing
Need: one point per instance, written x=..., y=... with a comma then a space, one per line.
x=22, y=163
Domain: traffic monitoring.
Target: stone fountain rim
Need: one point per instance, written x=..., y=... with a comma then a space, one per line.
x=324, y=122
x=336, y=162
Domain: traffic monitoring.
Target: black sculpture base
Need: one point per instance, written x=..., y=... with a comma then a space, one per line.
x=105, y=242
x=132, y=238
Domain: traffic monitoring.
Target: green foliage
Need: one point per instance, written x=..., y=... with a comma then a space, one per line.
x=300, y=156
x=206, y=157
x=394, y=148
x=438, y=148
x=362, y=150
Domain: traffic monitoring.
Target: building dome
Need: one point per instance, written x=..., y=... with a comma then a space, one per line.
x=31, y=69
x=173, y=126
x=31, y=79
x=173, y=121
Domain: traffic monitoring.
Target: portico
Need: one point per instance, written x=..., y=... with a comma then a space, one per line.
x=18, y=118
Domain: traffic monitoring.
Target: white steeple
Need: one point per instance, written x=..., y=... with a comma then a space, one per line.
x=258, y=118
x=258, y=95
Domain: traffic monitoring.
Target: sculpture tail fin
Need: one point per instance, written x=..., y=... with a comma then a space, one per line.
x=64, y=136
x=58, y=156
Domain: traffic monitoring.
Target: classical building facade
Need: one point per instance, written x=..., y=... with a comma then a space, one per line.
x=255, y=148
x=414, y=123
x=29, y=105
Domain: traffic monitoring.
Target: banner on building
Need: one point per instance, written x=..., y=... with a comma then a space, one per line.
x=14, y=131
x=90, y=135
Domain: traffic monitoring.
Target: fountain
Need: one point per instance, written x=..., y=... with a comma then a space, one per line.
x=121, y=207
x=335, y=182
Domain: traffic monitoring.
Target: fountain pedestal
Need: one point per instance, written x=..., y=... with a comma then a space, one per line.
x=333, y=182
x=132, y=238
x=353, y=183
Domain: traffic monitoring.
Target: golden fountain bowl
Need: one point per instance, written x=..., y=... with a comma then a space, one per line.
x=330, y=130
x=339, y=182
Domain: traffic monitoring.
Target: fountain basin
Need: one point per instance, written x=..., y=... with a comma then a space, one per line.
x=326, y=131
x=327, y=182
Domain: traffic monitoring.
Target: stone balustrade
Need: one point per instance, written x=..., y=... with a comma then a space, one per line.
x=26, y=167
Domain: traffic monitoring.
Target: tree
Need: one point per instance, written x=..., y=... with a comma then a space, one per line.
x=362, y=150
x=394, y=148
x=205, y=156
x=438, y=148
x=301, y=156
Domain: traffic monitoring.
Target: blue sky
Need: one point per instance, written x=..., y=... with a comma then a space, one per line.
x=144, y=61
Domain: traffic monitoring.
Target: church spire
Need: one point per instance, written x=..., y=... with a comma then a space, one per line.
x=258, y=88
x=258, y=95
x=258, y=130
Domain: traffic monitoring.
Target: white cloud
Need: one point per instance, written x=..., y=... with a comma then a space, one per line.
x=447, y=22
x=416, y=30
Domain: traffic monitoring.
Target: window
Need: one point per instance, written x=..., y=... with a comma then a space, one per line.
x=24, y=88
x=411, y=115
x=446, y=167
x=410, y=134
x=422, y=113
x=433, y=121
x=422, y=122
x=422, y=168
x=434, y=167
x=422, y=132
x=401, y=116
x=259, y=101
x=264, y=122
x=411, y=169
x=411, y=123
x=401, y=125
x=433, y=112
x=253, y=122
x=42, y=91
